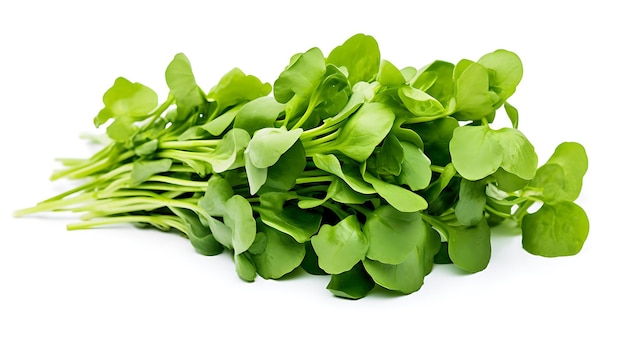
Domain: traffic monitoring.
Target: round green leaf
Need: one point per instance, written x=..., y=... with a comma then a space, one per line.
x=406, y=277
x=364, y=130
x=505, y=72
x=282, y=254
x=518, y=154
x=239, y=219
x=353, y=284
x=360, y=55
x=561, y=178
x=470, y=247
x=392, y=234
x=268, y=144
x=555, y=230
x=475, y=151
x=245, y=267
x=341, y=246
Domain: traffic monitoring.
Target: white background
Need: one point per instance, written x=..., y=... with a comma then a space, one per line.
x=127, y=289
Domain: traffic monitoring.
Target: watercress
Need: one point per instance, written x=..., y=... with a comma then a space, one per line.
x=345, y=166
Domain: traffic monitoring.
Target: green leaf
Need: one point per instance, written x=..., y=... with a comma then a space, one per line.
x=478, y=151
x=436, y=136
x=389, y=75
x=260, y=242
x=561, y=178
x=416, y=171
x=348, y=173
x=341, y=246
x=339, y=191
x=278, y=212
x=259, y=113
x=407, y=135
x=519, y=155
x=147, y=148
x=200, y=236
x=505, y=73
x=143, y=170
x=257, y=176
x=218, y=125
x=126, y=99
x=469, y=210
x=428, y=247
x=475, y=151
x=217, y=193
x=419, y=102
x=470, y=247
x=301, y=77
x=282, y=254
x=473, y=101
x=508, y=181
x=268, y=144
x=360, y=55
x=221, y=232
x=436, y=80
x=282, y=175
x=238, y=217
x=331, y=95
x=361, y=93
x=183, y=87
x=402, y=199
x=364, y=130
x=245, y=267
x=512, y=113
x=390, y=157
x=193, y=133
x=228, y=153
x=558, y=229
x=409, y=73
x=122, y=129
x=406, y=277
x=392, y=234
x=236, y=87
x=437, y=187
x=353, y=284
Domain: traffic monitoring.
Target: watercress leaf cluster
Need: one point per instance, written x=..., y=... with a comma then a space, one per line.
x=346, y=166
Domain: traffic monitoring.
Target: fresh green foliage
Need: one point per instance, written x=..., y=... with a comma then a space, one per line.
x=345, y=166
x=341, y=246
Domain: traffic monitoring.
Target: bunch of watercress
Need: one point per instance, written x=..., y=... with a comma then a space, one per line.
x=352, y=168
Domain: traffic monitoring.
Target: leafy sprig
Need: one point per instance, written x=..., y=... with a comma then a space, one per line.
x=353, y=168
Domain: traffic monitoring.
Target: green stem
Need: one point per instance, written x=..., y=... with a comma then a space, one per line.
x=498, y=213
x=184, y=155
x=438, y=169
x=304, y=117
x=99, y=181
x=414, y=120
x=158, y=112
x=57, y=205
x=311, y=144
x=318, y=179
x=435, y=222
x=325, y=128
x=92, y=168
x=522, y=210
x=185, y=144
x=364, y=210
x=160, y=222
x=177, y=181
x=312, y=189
x=336, y=209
